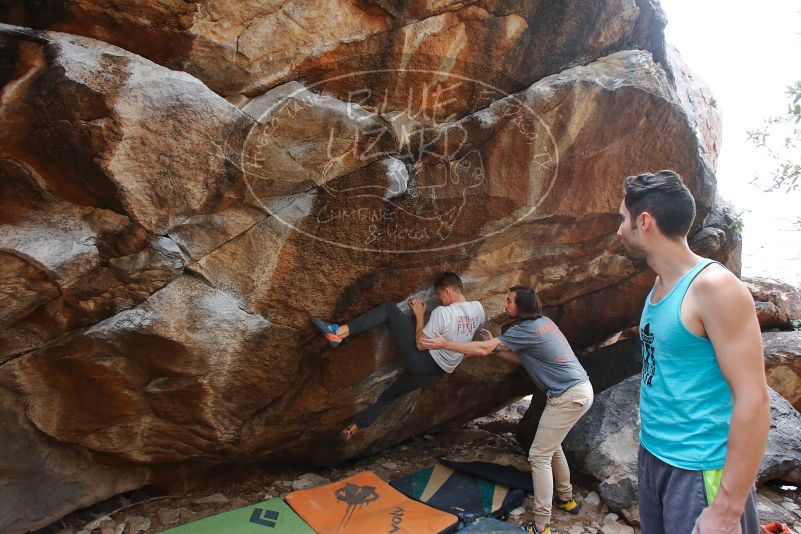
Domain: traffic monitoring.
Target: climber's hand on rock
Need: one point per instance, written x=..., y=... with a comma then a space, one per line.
x=417, y=306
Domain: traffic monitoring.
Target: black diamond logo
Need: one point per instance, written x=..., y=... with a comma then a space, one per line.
x=267, y=518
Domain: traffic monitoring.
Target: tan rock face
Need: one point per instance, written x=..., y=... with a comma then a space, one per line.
x=249, y=47
x=98, y=132
x=86, y=263
x=783, y=364
x=43, y=480
x=777, y=303
x=141, y=372
x=165, y=246
x=697, y=97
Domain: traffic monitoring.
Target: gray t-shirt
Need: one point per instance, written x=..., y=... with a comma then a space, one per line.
x=545, y=354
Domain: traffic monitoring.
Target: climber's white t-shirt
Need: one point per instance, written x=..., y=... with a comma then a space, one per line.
x=455, y=322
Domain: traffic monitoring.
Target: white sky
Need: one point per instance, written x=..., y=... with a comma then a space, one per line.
x=747, y=53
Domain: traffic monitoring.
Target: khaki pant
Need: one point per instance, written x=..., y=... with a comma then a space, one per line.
x=546, y=457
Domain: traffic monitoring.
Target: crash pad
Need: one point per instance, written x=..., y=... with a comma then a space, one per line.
x=461, y=494
x=365, y=503
x=506, y=475
x=268, y=517
x=490, y=525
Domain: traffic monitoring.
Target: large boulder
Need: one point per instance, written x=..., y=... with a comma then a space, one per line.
x=777, y=303
x=718, y=239
x=164, y=246
x=783, y=364
x=605, y=442
x=782, y=459
x=696, y=96
x=97, y=126
x=43, y=480
x=249, y=47
x=67, y=266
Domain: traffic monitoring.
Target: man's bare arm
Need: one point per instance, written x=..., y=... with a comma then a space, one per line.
x=418, y=333
x=418, y=308
x=509, y=356
x=500, y=347
x=505, y=353
x=726, y=310
x=468, y=348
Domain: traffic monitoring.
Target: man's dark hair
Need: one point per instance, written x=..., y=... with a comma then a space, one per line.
x=449, y=279
x=665, y=197
x=528, y=303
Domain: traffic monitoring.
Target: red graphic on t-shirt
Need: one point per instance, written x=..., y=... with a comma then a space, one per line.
x=466, y=324
x=544, y=329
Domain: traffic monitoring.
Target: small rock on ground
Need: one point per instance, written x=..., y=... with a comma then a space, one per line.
x=95, y=523
x=592, y=499
x=216, y=498
x=112, y=527
x=137, y=524
x=308, y=481
x=771, y=511
x=168, y=516
x=616, y=528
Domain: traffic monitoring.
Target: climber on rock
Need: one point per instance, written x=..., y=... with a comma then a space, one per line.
x=457, y=320
x=536, y=342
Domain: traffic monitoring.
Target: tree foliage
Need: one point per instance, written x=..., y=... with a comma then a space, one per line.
x=780, y=138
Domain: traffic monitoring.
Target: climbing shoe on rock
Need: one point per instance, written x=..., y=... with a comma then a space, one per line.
x=329, y=331
x=348, y=432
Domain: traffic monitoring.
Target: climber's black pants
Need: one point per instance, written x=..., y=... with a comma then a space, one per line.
x=421, y=369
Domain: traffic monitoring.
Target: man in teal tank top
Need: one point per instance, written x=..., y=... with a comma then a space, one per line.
x=703, y=399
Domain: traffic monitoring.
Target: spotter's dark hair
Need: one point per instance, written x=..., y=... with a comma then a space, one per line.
x=529, y=305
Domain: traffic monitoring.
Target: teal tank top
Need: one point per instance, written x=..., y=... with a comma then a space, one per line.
x=685, y=403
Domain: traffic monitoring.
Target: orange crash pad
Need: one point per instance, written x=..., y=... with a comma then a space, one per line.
x=365, y=503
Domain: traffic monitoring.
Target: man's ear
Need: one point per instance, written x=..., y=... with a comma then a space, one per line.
x=645, y=222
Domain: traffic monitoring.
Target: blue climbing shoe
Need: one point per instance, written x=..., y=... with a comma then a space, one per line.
x=329, y=331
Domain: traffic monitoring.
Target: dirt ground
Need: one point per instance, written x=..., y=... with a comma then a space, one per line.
x=490, y=439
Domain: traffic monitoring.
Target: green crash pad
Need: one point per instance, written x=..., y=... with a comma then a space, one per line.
x=268, y=517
